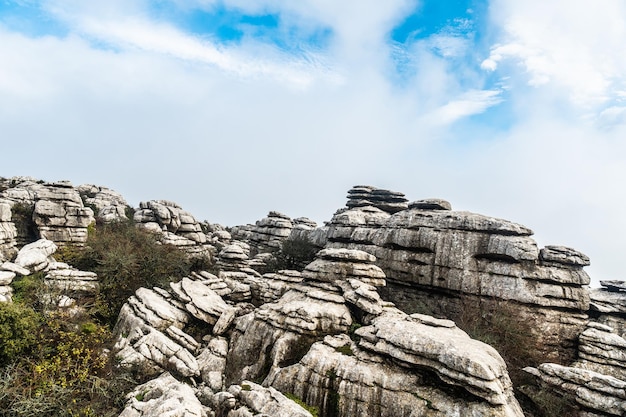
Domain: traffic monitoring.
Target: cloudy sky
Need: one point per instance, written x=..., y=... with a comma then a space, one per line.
x=513, y=109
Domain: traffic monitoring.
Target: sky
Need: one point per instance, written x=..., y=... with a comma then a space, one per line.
x=232, y=108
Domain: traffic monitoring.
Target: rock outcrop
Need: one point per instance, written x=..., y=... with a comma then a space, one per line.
x=176, y=227
x=297, y=341
x=469, y=259
x=608, y=305
x=53, y=211
x=268, y=233
x=109, y=205
x=8, y=232
x=597, y=394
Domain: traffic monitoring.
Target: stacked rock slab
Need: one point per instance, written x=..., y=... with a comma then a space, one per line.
x=168, y=216
x=60, y=215
x=597, y=394
x=268, y=233
x=446, y=262
x=176, y=227
x=608, y=305
x=365, y=195
x=110, y=205
x=8, y=232
x=58, y=212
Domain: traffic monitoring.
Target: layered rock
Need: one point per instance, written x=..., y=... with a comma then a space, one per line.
x=167, y=216
x=110, y=206
x=268, y=233
x=60, y=215
x=465, y=257
x=346, y=379
x=63, y=279
x=385, y=200
x=175, y=226
x=54, y=211
x=602, y=351
x=8, y=232
x=608, y=305
x=601, y=394
x=163, y=396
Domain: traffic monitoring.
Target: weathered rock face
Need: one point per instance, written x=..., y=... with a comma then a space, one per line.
x=176, y=227
x=110, y=205
x=603, y=395
x=55, y=209
x=268, y=233
x=168, y=216
x=603, y=351
x=346, y=379
x=608, y=305
x=8, y=232
x=464, y=256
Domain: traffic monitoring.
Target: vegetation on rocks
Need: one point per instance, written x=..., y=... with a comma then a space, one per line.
x=55, y=362
x=126, y=258
x=293, y=254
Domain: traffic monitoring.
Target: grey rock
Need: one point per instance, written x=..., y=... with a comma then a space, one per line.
x=163, y=396
x=592, y=390
x=451, y=353
x=369, y=385
x=564, y=255
x=385, y=200
x=267, y=401
x=614, y=285
x=110, y=205
x=37, y=255
x=430, y=204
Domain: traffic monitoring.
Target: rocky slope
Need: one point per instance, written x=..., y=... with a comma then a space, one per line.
x=366, y=328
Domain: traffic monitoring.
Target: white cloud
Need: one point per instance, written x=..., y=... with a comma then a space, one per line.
x=466, y=104
x=571, y=45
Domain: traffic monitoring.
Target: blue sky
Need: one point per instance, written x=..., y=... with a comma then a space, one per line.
x=233, y=108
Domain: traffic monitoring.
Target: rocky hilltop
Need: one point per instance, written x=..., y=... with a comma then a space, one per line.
x=391, y=308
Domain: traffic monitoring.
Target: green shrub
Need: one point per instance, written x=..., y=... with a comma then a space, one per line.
x=126, y=258
x=26, y=289
x=499, y=324
x=67, y=373
x=311, y=409
x=18, y=330
x=294, y=254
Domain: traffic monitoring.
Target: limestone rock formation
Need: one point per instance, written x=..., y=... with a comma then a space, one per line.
x=109, y=205
x=470, y=258
x=55, y=209
x=8, y=232
x=163, y=396
x=168, y=216
x=603, y=351
x=608, y=305
x=175, y=226
x=602, y=394
x=268, y=233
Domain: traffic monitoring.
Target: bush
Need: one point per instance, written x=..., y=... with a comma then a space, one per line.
x=499, y=324
x=27, y=289
x=18, y=330
x=294, y=254
x=68, y=373
x=126, y=258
